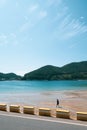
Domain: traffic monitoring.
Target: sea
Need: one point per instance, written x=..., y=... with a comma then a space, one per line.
x=41, y=86
x=36, y=92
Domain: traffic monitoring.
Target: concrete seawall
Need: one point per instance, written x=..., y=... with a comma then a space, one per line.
x=58, y=113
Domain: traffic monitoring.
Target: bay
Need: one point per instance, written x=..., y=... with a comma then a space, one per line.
x=41, y=86
x=39, y=93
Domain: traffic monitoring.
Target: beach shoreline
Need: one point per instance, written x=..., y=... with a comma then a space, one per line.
x=69, y=99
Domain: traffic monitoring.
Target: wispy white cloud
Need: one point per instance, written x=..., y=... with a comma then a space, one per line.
x=13, y=35
x=68, y=26
x=42, y=14
x=33, y=16
x=60, y=14
x=3, y=39
x=8, y=39
x=81, y=17
x=71, y=27
x=33, y=8
x=26, y=26
x=33, y=21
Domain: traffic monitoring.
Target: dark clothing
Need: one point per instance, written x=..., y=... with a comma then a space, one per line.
x=57, y=104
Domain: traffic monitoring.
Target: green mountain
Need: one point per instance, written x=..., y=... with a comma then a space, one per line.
x=44, y=73
x=75, y=70
x=9, y=76
x=75, y=67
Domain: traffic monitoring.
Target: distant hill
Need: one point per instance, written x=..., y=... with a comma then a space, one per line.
x=9, y=76
x=75, y=70
x=75, y=67
x=43, y=73
x=72, y=71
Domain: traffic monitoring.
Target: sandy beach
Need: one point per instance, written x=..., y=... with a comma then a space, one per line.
x=71, y=100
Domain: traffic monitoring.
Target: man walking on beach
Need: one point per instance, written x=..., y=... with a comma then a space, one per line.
x=57, y=103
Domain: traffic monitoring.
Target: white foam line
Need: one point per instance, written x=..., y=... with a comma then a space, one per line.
x=39, y=119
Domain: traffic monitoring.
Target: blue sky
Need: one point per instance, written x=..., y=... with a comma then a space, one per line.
x=34, y=33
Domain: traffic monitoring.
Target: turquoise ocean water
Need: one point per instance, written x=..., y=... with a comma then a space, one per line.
x=41, y=86
x=37, y=92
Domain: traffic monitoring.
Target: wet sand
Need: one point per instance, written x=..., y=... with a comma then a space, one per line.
x=71, y=100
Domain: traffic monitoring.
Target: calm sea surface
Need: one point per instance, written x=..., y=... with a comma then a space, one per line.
x=41, y=86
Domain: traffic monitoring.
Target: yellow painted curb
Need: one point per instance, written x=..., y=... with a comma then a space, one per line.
x=62, y=114
x=82, y=116
x=15, y=108
x=3, y=107
x=44, y=112
x=28, y=110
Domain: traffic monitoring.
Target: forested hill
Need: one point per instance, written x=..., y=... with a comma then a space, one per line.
x=75, y=70
x=9, y=76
